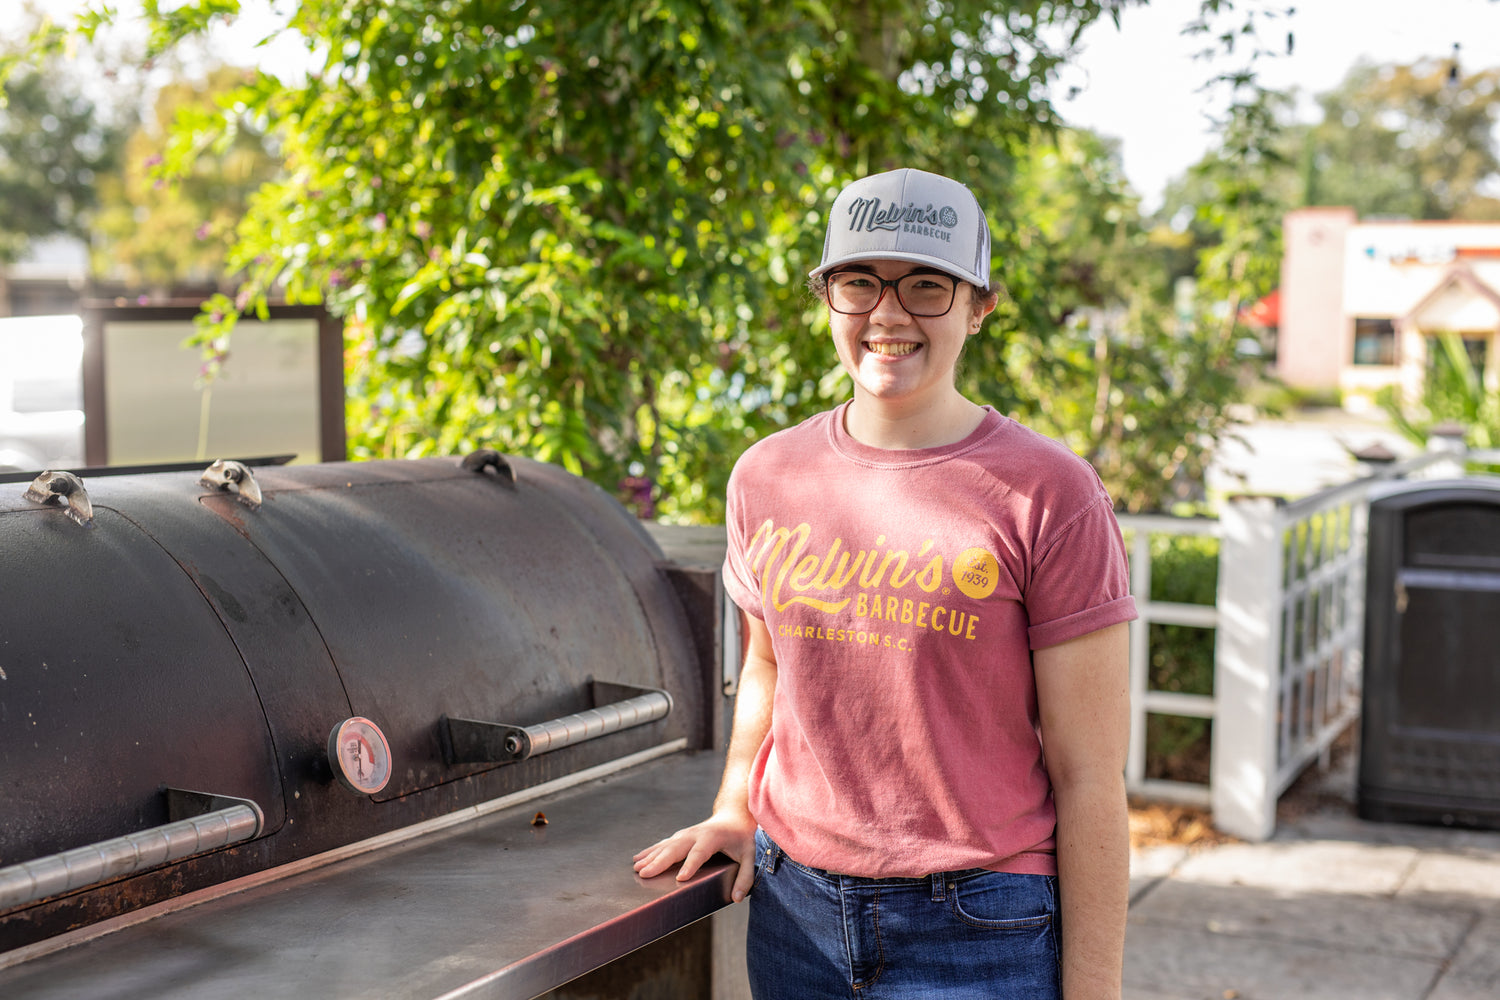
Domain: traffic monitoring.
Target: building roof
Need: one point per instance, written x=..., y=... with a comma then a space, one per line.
x=1459, y=301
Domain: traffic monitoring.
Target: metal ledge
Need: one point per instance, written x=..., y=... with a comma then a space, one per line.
x=494, y=908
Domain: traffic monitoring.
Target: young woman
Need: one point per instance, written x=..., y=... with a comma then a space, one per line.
x=925, y=780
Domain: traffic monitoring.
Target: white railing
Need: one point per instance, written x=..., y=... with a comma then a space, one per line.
x=1288, y=650
x=1144, y=700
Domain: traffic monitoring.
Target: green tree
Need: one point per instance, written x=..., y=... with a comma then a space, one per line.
x=1453, y=393
x=579, y=231
x=1415, y=140
x=168, y=231
x=54, y=145
x=1142, y=392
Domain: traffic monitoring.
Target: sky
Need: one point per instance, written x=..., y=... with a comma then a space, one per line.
x=1140, y=84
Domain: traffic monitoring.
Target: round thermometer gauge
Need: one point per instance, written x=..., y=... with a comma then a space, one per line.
x=359, y=755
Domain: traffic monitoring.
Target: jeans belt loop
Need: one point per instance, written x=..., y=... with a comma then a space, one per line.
x=939, y=881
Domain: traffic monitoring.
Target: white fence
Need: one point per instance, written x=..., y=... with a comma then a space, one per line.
x=1288, y=650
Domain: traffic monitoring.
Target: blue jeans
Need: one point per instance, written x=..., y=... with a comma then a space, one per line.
x=955, y=935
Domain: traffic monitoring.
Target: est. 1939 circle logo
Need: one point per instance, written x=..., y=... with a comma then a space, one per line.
x=976, y=572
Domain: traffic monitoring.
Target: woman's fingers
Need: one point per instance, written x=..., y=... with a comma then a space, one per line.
x=660, y=856
x=695, y=845
x=744, y=880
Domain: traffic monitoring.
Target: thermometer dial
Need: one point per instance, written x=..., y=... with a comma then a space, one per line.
x=359, y=755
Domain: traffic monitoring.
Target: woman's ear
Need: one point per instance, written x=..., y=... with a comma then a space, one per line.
x=982, y=305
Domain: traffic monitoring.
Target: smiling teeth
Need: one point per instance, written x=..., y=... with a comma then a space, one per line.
x=893, y=349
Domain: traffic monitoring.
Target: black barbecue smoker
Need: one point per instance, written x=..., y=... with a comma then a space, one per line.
x=382, y=729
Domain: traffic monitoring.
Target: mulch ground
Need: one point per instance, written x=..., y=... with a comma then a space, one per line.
x=1154, y=824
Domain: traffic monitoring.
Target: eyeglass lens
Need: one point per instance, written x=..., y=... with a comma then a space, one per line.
x=855, y=293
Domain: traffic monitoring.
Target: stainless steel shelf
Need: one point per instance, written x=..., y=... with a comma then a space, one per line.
x=491, y=908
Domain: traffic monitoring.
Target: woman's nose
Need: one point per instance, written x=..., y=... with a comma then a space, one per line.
x=888, y=310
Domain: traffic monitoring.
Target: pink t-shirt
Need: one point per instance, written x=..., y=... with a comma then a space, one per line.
x=904, y=592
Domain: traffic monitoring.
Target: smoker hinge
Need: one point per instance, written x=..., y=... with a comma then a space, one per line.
x=233, y=477
x=487, y=459
x=65, y=490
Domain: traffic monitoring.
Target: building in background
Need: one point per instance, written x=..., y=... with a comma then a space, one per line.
x=1360, y=302
x=48, y=281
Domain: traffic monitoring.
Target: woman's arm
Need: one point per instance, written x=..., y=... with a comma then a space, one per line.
x=731, y=828
x=1083, y=692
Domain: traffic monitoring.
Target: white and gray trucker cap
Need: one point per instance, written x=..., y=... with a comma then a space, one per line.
x=910, y=215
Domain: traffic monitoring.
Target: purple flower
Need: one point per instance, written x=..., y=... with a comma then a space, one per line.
x=375, y=181
x=378, y=223
x=640, y=490
x=153, y=160
x=205, y=230
x=423, y=228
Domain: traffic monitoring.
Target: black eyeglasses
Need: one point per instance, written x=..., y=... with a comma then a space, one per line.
x=921, y=293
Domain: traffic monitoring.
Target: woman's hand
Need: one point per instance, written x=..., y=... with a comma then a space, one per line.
x=728, y=832
x=731, y=828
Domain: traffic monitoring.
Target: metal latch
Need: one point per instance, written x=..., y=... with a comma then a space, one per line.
x=65, y=490
x=233, y=477
x=470, y=741
x=487, y=459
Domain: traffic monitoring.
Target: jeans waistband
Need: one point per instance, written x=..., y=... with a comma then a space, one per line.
x=773, y=856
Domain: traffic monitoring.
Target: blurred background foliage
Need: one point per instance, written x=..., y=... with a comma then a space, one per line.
x=160, y=230
x=580, y=231
x=56, y=149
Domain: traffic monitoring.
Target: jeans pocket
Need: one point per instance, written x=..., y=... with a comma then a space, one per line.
x=1004, y=901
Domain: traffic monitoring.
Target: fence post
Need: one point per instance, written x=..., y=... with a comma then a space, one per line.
x=1246, y=670
x=1447, y=439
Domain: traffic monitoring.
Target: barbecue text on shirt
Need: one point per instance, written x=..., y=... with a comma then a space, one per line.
x=889, y=584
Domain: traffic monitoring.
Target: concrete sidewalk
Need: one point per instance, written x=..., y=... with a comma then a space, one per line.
x=1332, y=908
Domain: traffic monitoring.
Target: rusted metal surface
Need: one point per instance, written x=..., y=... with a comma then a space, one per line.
x=189, y=640
x=493, y=908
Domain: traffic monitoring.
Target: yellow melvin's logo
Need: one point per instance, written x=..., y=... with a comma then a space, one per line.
x=976, y=572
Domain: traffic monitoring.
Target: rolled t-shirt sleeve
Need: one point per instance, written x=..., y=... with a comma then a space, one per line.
x=1081, y=581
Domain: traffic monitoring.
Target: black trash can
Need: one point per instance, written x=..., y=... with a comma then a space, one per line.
x=1430, y=728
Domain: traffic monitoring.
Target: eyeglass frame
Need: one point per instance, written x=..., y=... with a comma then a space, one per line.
x=891, y=283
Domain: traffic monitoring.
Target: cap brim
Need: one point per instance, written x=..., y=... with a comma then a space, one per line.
x=915, y=258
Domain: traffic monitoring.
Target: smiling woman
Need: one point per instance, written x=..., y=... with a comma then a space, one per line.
x=889, y=726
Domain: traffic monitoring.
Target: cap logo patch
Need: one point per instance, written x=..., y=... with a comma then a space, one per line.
x=871, y=214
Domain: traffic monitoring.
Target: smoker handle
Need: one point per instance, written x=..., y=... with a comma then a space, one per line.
x=470, y=741
x=55, y=874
